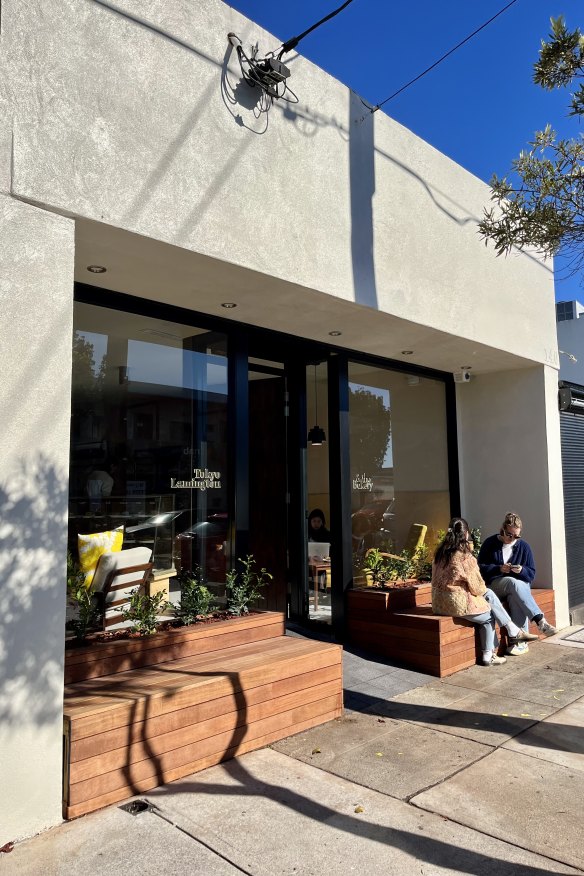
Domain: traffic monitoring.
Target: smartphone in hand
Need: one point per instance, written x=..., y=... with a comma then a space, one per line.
x=515, y=568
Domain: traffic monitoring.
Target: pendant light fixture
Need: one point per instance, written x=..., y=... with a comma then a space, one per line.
x=316, y=436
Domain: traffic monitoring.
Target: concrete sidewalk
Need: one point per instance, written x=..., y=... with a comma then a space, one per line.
x=479, y=773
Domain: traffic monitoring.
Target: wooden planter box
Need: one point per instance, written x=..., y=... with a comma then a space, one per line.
x=368, y=602
x=97, y=659
x=400, y=625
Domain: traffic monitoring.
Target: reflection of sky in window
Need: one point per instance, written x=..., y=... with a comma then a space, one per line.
x=173, y=366
x=383, y=394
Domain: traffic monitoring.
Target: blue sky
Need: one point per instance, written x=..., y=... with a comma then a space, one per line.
x=479, y=106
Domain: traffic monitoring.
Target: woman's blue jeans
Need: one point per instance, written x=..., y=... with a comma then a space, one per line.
x=522, y=605
x=486, y=621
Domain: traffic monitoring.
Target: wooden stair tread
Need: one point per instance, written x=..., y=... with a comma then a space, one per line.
x=109, y=692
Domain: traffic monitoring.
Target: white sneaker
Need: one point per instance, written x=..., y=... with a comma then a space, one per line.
x=496, y=660
x=546, y=628
x=525, y=636
x=518, y=649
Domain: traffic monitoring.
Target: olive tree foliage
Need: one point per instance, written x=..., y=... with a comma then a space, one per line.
x=542, y=206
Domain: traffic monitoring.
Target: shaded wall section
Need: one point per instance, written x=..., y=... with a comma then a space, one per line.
x=510, y=460
x=36, y=297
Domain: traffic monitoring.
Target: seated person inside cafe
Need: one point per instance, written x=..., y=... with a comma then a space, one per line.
x=317, y=530
x=508, y=568
x=318, y=537
x=458, y=590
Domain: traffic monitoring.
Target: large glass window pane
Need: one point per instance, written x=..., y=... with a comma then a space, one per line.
x=149, y=437
x=399, y=462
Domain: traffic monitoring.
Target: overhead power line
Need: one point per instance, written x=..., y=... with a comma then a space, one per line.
x=443, y=58
x=293, y=42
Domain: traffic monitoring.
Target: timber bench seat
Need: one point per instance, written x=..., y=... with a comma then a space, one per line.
x=130, y=732
x=436, y=644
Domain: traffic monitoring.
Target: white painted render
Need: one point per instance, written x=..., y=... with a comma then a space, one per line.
x=147, y=127
x=125, y=121
x=571, y=344
x=36, y=254
x=506, y=422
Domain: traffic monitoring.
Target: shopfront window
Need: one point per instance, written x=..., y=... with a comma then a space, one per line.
x=149, y=437
x=399, y=466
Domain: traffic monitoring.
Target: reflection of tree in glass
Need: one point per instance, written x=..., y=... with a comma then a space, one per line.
x=83, y=365
x=87, y=379
x=370, y=431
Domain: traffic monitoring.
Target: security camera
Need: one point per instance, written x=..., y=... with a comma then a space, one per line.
x=462, y=376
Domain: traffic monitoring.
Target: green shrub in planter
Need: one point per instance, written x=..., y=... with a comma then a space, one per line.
x=80, y=597
x=143, y=611
x=244, y=585
x=196, y=600
x=378, y=568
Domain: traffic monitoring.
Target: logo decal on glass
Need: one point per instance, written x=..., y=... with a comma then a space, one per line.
x=202, y=479
x=362, y=483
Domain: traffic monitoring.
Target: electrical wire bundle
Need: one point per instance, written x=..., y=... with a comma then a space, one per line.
x=269, y=72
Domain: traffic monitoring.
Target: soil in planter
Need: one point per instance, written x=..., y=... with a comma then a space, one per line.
x=162, y=627
x=408, y=584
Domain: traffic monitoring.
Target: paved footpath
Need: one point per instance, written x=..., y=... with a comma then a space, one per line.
x=481, y=773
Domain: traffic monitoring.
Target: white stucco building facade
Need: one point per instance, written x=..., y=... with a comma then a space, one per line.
x=127, y=140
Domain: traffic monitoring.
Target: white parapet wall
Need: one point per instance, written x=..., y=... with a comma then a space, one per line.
x=134, y=114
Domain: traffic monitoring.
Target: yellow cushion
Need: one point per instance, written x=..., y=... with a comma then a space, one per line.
x=92, y=546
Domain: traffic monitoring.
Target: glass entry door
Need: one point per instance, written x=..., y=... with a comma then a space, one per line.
x=268, y=477
x=317, y=506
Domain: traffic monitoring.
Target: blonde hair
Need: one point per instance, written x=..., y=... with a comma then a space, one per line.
x=512, y=519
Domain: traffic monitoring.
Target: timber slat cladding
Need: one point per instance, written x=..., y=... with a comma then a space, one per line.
x=107, y=658
x=142, y=785
x=123, y=778
x=136, y=730
x=435, y=644
x=129, y=734
x=242, y=716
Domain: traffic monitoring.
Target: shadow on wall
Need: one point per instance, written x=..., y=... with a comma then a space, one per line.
x=242, y=103
x=33, y=575
x=362, y=184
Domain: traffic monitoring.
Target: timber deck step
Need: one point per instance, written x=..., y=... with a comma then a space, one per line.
x=130, y=732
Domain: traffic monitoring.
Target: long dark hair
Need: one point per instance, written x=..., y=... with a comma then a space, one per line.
x=456, y=539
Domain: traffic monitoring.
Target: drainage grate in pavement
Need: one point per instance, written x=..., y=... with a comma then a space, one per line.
x=576, y=636
x=136, y=807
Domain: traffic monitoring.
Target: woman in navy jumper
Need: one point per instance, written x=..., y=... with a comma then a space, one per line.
x=508, y=568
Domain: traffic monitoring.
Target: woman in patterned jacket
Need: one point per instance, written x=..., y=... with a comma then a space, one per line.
x=458, y=590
